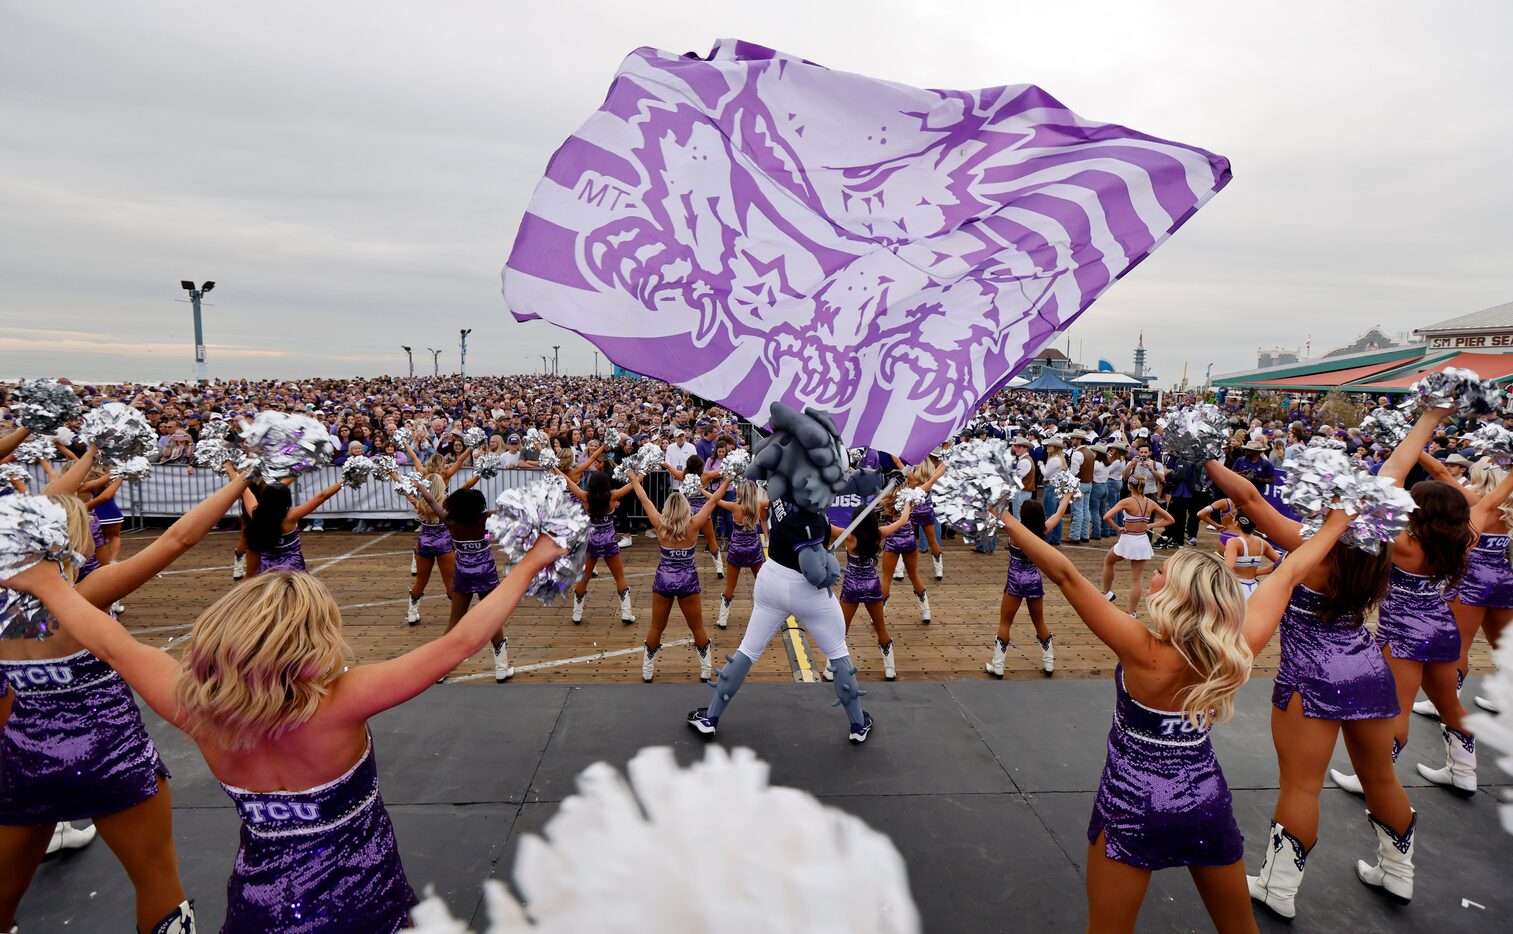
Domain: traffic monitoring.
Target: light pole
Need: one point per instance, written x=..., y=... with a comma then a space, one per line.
x=555, y=348
x=201, y=370
x=463, y=342
x=543, y=364
x=435, y=361
x=596, y=364
x=411, y=356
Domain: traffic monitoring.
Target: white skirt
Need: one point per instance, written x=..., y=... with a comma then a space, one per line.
x=1249, y=586
x=1134, y=546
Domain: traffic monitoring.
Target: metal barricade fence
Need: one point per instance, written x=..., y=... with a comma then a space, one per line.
x=173, y=489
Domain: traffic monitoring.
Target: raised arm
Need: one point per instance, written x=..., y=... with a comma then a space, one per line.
x=1264, y=610
x=1482, y=511
x=109, y=491
x=898, y=523
x=148, y=670
x=10, y=442
x=677, y=474
x=651, y=511
x=74, y=476
x=1113, y=627
x=572, y=487
x=414, y=458
x=940, y=471
x=710, y=503
x=456, y=465
x=371, y=689
x=436, y=507
x=1405, y=455
x=315, y=502
x=1055, y=518
x=1243, y=495
x=114, y=581
x=589, y=459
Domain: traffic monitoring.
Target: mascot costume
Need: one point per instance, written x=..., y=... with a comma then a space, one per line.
x=804, y=466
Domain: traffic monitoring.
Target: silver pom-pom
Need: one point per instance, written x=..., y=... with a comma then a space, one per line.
x=1326, y=443
x=134, y=470
x=910, y=496
x=35, y=450
x=288, y=445
x=1490, y=440
x=646, y=459
x=733, y=467
x=1320, y=478
x=854, y=456
x=384, y=466
x=12, y=476
x=612, y=438
x=1453, y=387
x=358, y=469
x=119, y=432
x=214, y=453
x=1067, y=486
x=538, y=440
x=402, y=437
x=44, y=405
x=488, y=465
x=32, y=529
x=410, y=484
x=217, y=429
x=475, y=438
x=1387, y=426
x=979, y=476
x=691, y=486
x=526, y=513
x=1195, y=432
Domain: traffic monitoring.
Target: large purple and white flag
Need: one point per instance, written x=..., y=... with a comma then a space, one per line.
x=754, y=227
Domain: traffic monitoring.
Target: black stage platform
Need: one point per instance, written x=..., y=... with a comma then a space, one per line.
x=986, y=788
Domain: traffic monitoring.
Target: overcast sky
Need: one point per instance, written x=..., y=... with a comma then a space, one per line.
x=351, y=173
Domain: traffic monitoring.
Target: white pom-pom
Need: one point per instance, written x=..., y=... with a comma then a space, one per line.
x=979, y=476
x=475, y=438
x=119, y=432
x=358, y=470
x=1321, y=478
x=735, y=464
x=526, y=513
x=134, y=470
x=12, y=476
x=488, y=465
x=35, y=450
x=1461, y=389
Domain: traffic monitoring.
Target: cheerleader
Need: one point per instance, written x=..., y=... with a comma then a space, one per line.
x=861, y=585
x=1332, y=680
x=1162, y=800
x=695, y=466
x=922, y=476
x=677, y=527
x=601, y=501
x=1025, y=585
x=473, y=571
x=264, y=690
x=74, y=746
x=1219, y=515
x=748, y=513
x=1247, y=554
x=271, y=534
x=901, y=549
x=1134, y=545
x=1484, y=599
x=433, y=543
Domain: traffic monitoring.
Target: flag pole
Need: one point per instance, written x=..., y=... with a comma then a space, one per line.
x=841, y=538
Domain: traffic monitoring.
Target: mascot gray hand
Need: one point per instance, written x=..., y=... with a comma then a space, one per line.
x=819, y=566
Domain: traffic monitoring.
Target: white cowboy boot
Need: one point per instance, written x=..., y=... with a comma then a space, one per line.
x=1485, y=704
x=412, y=615
x=1459, y=772
x=705, y=659
x=502, y=670
x=724, y=618
x=238, y=567
x=898, y=570
x=1048, y=654
x=578, y=607
x=995, y=667
x=1281, y=873
x=648, y=664
x=1393, y=872
x=178, y=921
x=627, y=616
x=1426, y=708
x=889, y=672
x=940, y=566
x=924, y=608
x=719, y=565
x=68, y=837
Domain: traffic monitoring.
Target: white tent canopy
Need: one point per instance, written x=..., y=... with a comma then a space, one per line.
x=1107, y=379
x=1018, y=381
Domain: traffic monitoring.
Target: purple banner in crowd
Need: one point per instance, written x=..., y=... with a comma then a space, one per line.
x=754, y=228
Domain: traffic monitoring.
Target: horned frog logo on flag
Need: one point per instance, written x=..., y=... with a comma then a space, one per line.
x=754, y=228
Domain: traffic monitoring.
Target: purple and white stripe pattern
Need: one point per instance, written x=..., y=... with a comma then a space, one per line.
x=756, y=228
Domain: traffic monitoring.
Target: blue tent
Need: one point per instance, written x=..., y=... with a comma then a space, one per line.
x=1048, y=381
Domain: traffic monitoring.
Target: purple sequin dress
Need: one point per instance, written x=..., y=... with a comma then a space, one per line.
x=1162, y=801
x=322, y=860
x=287, y=555
x=1024, y=577
x=676, y=574
x=92, y=564
x=475, y=571
x=1415, y=621
x=923, y=513
x=433, y=541
x=1335, y=665
x=745, y=548
x=902, y=542
x=1488, y=580
x=861, y=583
x=74, y=746
x=603, y=541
